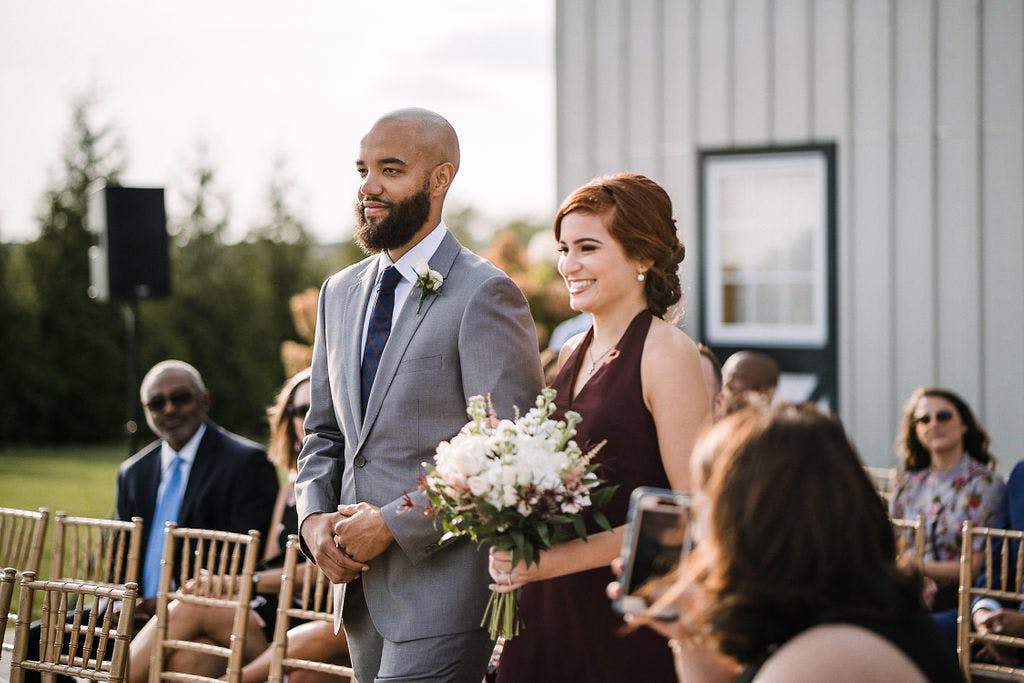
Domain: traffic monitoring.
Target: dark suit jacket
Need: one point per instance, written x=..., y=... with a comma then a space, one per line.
x=231, y=487
x=1010, y=516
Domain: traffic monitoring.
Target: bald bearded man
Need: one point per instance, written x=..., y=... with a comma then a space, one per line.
x=394, y=364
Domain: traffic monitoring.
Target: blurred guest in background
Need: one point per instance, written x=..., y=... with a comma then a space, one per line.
x=198, y=474
x=197, y=623
x=948, y=476
x=745, y=373
x=711, y=368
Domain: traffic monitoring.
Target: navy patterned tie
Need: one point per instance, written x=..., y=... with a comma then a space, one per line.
x=379, y=330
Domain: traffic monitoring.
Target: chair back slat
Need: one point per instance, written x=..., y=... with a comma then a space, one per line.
x=22, y=534
x=993, y=559
x=78, y=627
x=315, y=602
x=915, y=529
x=212, y=569
x=96, y=551
x=884, y=480
x=8, y=576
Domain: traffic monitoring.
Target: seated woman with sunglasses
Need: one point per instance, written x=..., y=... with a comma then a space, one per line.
x=948, y=476
x=191, y=622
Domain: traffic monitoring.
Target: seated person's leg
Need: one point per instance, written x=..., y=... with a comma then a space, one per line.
x=190, y=622
x=197, y=663
x=314, y=640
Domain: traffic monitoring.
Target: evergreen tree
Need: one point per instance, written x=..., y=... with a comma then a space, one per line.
x=206, y=319
x=73, y=384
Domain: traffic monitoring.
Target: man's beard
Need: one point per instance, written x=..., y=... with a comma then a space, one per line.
x=402, y=221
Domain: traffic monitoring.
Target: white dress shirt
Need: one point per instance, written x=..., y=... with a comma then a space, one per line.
x=424, y=250
x=187, y=455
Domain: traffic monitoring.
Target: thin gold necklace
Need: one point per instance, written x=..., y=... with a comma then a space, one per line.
x=594, y=361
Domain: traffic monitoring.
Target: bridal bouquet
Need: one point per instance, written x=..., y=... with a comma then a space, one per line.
x=516, y=484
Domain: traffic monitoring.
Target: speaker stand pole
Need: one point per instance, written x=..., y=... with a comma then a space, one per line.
x=131, y=321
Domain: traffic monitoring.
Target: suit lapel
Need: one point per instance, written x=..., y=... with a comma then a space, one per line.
x=200, y=472
x=352, y=336
x=151, y=481
x=408, y=322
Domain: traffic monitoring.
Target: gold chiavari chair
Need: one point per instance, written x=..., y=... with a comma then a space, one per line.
x=315, y=602
x=7, y=579
x=97, y=551
x=209, y=568
x=101, y=552
x=910, y=534
x=79, y=629
x=22, y=534
x=1003, y=571
x=884, y=479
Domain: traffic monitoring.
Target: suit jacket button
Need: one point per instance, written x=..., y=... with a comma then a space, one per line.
x=359, y=461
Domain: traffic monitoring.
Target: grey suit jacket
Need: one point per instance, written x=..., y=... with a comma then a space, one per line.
x=475, y=337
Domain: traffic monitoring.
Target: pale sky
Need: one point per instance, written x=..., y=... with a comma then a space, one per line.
x=304, y=78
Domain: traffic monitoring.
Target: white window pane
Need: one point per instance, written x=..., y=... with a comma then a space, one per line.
x=765, y=247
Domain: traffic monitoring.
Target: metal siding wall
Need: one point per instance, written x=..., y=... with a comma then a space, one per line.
x=791, y=98
x=679, y=29
x=644, y=100
x=830, y=119
x=1002, y=210
x=611, y=66
x=914, y=318
x=869, y=334
x=753, y=63
x=575, y=79
x=713, y=102
x=925, y=101
x=958, y=293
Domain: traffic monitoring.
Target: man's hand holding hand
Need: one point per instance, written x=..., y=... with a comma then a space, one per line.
x=318, y=533
x=361, y=531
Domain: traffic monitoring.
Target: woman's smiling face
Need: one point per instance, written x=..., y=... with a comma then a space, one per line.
x=594, y=265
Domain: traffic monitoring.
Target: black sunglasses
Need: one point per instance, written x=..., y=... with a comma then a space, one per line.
x=177, y=399
x=943, y=415
x=298, y=410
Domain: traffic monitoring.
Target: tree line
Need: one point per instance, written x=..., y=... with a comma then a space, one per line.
x=233, y=309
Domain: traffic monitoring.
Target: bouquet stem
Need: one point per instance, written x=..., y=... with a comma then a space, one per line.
x=502, y=616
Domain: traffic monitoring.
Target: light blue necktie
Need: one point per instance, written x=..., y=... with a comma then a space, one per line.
x=166, y=511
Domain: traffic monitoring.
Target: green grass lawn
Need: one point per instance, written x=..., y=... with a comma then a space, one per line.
x=80, y=480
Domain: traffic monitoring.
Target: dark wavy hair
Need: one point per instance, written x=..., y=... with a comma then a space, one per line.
x=913, y=453
x=797, y=535
x=638, y=214
x=285, y=441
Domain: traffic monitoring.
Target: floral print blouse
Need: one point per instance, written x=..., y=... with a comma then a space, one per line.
x=969, y=490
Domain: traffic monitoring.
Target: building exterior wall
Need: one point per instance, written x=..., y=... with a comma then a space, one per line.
x=925, y=102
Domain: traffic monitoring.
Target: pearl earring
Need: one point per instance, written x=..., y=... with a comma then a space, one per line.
x=639, y=277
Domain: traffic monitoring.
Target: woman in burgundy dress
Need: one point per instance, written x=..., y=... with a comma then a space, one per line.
x=636, y=381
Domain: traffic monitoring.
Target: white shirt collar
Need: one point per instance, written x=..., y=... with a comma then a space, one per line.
x=424, y=250
x=187, y=452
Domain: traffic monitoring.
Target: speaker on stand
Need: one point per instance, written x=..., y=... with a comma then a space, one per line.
x=128, y=262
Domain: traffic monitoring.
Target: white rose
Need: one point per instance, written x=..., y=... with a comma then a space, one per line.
x=478, y=485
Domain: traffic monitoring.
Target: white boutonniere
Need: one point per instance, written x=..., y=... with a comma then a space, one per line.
x=427, y=281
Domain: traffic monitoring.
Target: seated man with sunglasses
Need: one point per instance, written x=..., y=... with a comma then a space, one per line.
x=198, y=474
